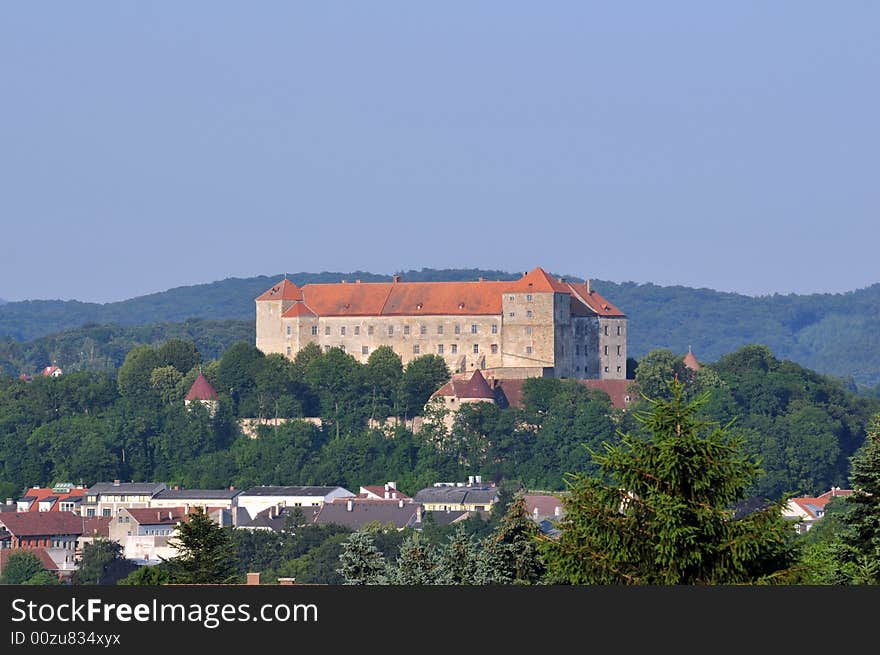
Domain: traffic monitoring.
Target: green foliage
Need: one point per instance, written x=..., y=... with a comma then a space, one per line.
x=659, y=510
x=22, y=566
x=361, y=563
x=512, y=551
x=417, y=564
x=422, y=377
x=205, y=552
x=150, y=576
x=102, y=563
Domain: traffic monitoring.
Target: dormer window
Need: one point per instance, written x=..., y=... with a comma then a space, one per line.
x=461, y=305
x=419, y=306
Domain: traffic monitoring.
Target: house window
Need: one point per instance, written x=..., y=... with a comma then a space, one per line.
x=288, y=351
x=618, y=351
x=476, y=348
x=606, y=350
x=288, y=330
x=457, y=329
x=529, y=313
x=439, y=348
x=314, y=329
x=528, y=350
x=529, y=330
x=390, y=330
x=423, y=329
x=618, y=330
x=406, y=329
x=327, y=329
x=512, y=314
x=528, y=297
x=618, y=369
x=416, y=349
x=357, y=330
x=370, y=330
x=606, y=369
x=494, y=348
x=105, y=512
x=494, y=328
x=439, y=329
x=342, y=330
x=326, y=349
x=606, y=330
x=510, y=298
x=454, y=348
x=365, y=350
x=473, y=328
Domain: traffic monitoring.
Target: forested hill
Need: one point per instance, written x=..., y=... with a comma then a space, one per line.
x=836, y=334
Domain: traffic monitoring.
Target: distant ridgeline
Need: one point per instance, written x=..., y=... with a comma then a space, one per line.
x=835, y=334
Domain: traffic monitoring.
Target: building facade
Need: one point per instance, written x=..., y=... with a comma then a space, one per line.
x=531, y=327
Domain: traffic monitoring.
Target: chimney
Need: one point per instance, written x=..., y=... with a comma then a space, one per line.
x=470, y=479
x=393, y=494
x=9, y=501
x=232, y=487
x=387, y=495
x=393, y=485
x=349, y=506
x=253, y=578
x=116, y=483
x=589, y=288
x=557, y=511
x=535, y=512
x=220, y=518
x=561, y=279
x=400, y=503
x=386, y=486
x=289, y=580
x=479, y=479
x=396, y=279
x=186, y=509
x=357, y=281
x=419, y=513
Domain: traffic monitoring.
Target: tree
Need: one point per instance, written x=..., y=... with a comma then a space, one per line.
x=205, y=552
x=655, y=369
x=384, y=372
x=150, y=576
x=460, y=560
x=422, y=377
x=22, y=566
x=165, y=381
x=659, y=510
x=182, y=355
x=133, y=377
x=361, y=562
x=418, y=562
x=512, y=551
x=102, y=563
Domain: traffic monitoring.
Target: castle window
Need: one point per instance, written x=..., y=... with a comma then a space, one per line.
x=510, y=298
x=529, y=313
x=440, y=329
x=606, y=330
x=494, y=328
x=454, y=348
x=342, y=330
x=406, y=329
x=618, y=351
x=512, y=314
x=606, y=350
x=288, y=330
x=618, y=369
x=473, y=328
x=577, y=349
x=439, y=348
x=370, y=330
x=357, y=330
x=390, y=330
x=457, y=329
x=423, y=329
x=528, y=297
x=528, y=350
x=416, y=349
x=288, y=351
x=327, y=329
x=365, y=350
x=314, y=329
x=476, y=348
x=494, y=348
x=606, y=369
x=529, y=329
x=618, y=330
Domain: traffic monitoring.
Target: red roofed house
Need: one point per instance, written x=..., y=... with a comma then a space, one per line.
x=51, y=372
x=144, y=532
x=806, y=510
x=462, y=389
x=535, y=326
x=56, y=532
x=388, y=491
x=60, y=498
x=202, y=392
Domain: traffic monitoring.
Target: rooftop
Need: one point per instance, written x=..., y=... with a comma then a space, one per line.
x=295, y=490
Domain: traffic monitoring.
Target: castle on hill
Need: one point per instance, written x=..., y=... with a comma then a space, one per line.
x=536, y=326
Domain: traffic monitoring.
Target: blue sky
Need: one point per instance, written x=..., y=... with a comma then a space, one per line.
x=145, y=146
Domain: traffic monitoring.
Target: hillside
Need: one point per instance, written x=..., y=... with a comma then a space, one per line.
x=835, y=334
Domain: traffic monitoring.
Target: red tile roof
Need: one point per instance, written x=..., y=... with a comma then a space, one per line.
x=379, y=490
x=398, y=298
x=284, y=290
x=30, y=524
x=49, y=370
x=298, y=309
x=810, y=504
x=201, y=389
x=691, y=362
x=97, y=526
x=545, y=504
x=41, y=493
x=47, y=562
x=619, y=390
x=473, y=386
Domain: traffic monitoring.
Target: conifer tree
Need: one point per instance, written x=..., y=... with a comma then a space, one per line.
x=460, y=560
x=511, y=553
x=660, y=509
x=361, y=562
x=206, y=552
x=418, y=562
x=862, y=521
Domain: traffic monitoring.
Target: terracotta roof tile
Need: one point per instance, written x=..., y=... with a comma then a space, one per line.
x=29, y=524
x=284, y=290
x=43, y=493
x=691, y=362
x=618, y=390
x=298, y=309
x=476, y=387
x=541, y=281
x=595, y=301
x=201, y=389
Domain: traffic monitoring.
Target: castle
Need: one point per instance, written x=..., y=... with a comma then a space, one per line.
x=536, y=326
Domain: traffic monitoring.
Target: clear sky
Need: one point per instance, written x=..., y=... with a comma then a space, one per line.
x=730, y=145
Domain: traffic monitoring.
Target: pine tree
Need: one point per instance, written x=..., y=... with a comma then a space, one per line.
x=460, y=560
x=511, y=553
x=418, y=562
x=206, y=552
x=863, y=520
x=659, y=510
x=361, y=562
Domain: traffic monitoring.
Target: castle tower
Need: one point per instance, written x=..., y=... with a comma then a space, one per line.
x=202, y=392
